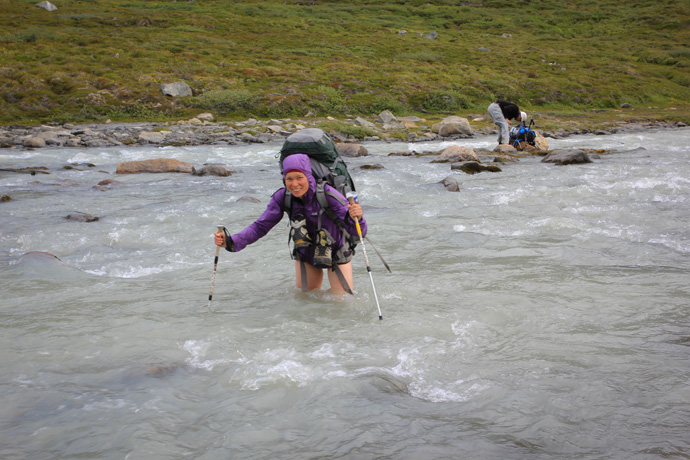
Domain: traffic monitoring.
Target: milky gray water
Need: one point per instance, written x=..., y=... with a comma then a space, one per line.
x=542, y=312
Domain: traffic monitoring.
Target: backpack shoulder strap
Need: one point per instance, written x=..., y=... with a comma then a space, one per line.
x=321, y=195
x=287, y=202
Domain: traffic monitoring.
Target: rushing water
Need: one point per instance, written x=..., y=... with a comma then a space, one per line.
x=541, y=312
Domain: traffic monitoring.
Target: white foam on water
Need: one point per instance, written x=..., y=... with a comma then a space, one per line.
x=197, y=350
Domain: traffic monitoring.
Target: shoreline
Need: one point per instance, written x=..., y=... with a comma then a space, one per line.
x=203, y=130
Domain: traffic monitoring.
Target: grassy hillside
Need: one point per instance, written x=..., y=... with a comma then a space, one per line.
x=97, y=59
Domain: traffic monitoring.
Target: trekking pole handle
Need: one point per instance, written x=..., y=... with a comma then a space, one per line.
x=225, y=243
x=352, y=198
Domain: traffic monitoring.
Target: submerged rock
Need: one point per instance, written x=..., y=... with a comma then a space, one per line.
x=375, y=166
x=81, y=217
x=106, y=184
x=248, y=199
x=473, y=167
x=38, y=255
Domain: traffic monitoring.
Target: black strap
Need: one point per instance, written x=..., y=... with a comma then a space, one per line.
x=229, y=244
x=303, y=272
x=336, y=269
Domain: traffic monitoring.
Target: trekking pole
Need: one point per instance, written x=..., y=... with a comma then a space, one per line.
x=352, y=198
x=215, y=267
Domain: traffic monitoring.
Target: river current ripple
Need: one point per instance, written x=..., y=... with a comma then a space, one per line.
x=541, y=312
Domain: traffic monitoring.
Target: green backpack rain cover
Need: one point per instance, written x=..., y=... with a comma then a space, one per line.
x=326, y=164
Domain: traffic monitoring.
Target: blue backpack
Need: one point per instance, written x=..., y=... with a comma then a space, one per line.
x=523, y=133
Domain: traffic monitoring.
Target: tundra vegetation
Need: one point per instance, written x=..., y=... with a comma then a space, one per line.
x=93, y=60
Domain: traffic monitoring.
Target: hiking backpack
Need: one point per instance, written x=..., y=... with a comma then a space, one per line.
x=326, y=164
x=523, y=133
x=327, y=168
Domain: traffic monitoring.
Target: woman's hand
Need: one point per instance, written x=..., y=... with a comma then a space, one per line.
x=355, y=211
x=219, y=238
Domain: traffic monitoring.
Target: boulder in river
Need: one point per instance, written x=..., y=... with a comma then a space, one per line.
x=567, y=157
x=456, y=153
x=352, y=150
x=505, y=149
x=156, y=165
x=450, y=184
x=214, y=170
x=540, y=141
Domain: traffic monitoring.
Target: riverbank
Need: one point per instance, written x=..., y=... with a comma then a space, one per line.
x=205, y=130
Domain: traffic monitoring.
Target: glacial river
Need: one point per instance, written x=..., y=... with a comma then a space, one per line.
x=540, y=313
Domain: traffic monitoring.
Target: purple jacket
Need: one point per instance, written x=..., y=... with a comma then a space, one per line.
x=308, y=206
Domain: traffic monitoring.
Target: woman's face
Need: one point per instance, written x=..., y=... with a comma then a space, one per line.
x=296, y=183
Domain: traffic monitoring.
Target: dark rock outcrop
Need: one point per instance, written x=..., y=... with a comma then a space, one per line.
x=473, y=167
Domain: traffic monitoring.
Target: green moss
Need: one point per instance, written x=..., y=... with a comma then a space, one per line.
x=359, y=132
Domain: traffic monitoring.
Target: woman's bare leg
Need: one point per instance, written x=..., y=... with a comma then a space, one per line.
x=336, y=286
x=314, y=276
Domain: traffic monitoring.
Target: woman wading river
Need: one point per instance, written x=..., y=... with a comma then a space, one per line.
x=539, y=312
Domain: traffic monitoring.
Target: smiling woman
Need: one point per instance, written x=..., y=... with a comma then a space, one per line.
x=319, y=240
